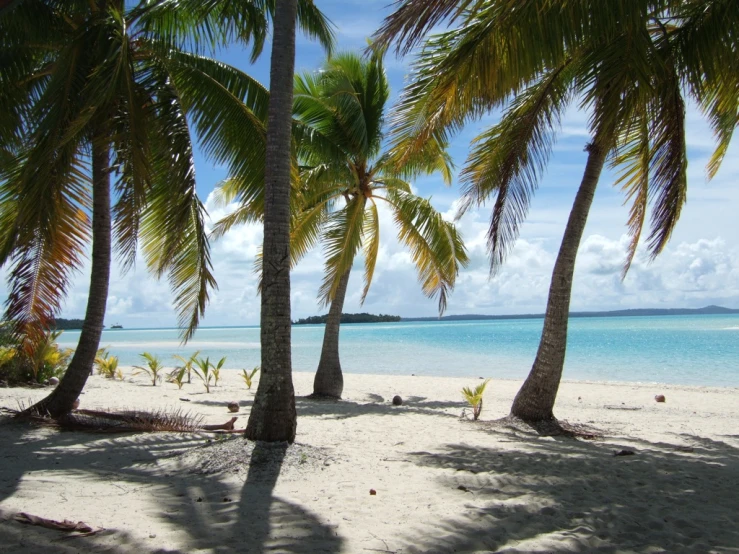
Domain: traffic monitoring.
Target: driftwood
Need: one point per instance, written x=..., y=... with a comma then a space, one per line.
x=228, y=426
x=79, y=529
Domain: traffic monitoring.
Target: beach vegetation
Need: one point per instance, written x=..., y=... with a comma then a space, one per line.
x=153, y=368
x=177, y=376
x=204, y=371
x=474, y=398
x=347, y=103
x=248, y=376
x=107, y=366
x=187, y=364
x=216, y=369
x=626, y=72
x=44, y=361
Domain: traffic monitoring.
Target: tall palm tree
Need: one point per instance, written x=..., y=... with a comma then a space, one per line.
x=273, y=417
x=619, y=60
x=345, y=103
x=94, y=91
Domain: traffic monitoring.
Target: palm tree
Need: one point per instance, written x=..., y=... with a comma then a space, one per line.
x=345, y=103
x=273, y=417
x=94, y=91
x=619, y=62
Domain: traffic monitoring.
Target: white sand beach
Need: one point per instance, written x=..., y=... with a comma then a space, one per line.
x=443, y=484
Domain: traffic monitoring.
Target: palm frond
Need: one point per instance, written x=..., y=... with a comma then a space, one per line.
x=510, y=157
x=371, y=246
x=342, y=240
x=436, y=247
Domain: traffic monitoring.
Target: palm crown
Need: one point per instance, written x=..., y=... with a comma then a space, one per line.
x=345, y=103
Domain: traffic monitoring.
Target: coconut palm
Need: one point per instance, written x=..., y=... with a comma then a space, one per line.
x=273, y=417
x=345, y=103
x=619, y=61
x=94, y=91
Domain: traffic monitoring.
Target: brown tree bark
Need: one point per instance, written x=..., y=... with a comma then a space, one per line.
x=60, y=401
x=535, y=400
x=273, y=417
x=329, y=381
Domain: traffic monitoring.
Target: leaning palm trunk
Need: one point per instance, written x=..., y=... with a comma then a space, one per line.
x=329, y=381
x=273, y=416
x=61, y=400
x=535, y=400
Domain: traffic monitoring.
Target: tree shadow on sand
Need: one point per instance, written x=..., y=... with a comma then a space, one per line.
x=190, y=511
x=345, y=409
x=559, y=494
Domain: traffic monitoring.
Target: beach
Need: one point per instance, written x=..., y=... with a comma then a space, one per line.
x=443, y=483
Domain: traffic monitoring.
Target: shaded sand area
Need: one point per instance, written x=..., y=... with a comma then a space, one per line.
x=443, y=484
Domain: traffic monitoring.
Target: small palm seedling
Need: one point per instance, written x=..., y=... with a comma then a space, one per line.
x=474, y=397
x=217, y=370
x=153, y=370
x=248, y=376
x=204, y=371
x=108, y=367
x=101, y=355
x=188, y=363
x=177, y=376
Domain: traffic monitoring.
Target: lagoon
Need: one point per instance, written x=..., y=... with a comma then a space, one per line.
x=688, y=350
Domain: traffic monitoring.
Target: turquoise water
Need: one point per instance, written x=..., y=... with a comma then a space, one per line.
x=690, y=350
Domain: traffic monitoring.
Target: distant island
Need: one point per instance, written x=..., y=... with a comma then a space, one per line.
x=61, y=324
x=350, y=318
x=708, y=310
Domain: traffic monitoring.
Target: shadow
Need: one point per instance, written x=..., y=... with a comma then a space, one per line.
x=344, y=409
x=189, y=510
x=560, y=494
x=221, y=403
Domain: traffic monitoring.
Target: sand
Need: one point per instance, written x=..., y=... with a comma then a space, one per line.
x=443, y=483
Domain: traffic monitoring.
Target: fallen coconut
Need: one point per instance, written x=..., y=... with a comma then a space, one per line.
x=233, y=406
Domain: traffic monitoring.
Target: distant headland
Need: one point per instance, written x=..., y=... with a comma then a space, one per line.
x=708, y=310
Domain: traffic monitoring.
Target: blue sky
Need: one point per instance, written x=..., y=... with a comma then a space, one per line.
x=699, y=267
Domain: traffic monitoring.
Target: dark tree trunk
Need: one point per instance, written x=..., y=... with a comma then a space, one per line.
x=329, y=381
x=535, y=400
x=60, y=401
x=273, y=416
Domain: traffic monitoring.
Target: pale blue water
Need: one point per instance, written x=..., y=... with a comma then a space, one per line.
x=690, y=350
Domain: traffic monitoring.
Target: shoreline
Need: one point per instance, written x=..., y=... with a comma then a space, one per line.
x=443, y=483
x=606, y=383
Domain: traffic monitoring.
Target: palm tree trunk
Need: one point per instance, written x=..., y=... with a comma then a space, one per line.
x=535, y=400
x=273, y=416
x=61, y=400
x=329, y=381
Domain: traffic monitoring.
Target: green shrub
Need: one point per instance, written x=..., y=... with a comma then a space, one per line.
x=45, y=360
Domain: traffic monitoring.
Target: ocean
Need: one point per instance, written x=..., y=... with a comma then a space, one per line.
x=688, y=350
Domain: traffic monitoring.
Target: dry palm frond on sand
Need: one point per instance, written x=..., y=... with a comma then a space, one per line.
x=124, y=421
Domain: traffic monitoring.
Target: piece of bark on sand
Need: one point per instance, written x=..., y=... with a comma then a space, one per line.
x=80, y=529
x=228, y=426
